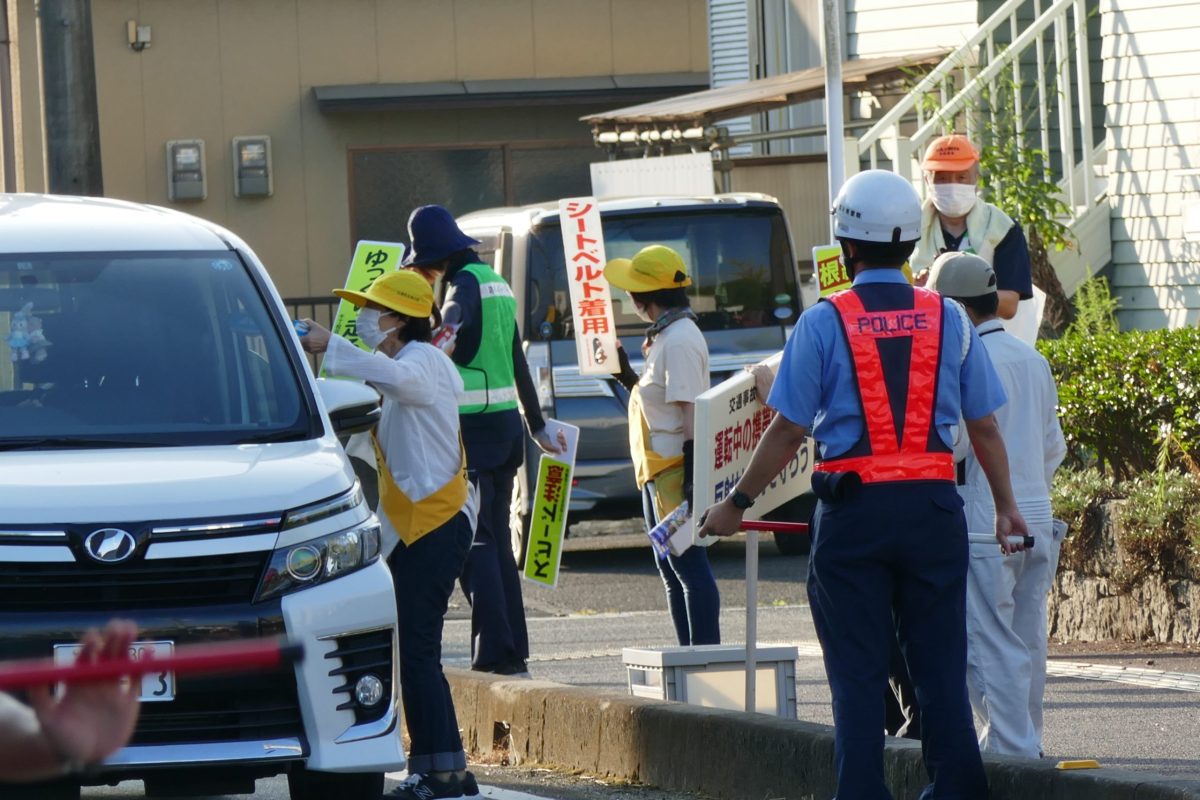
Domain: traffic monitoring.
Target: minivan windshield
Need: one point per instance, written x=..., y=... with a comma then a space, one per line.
x=141, y=349
x=740, y=260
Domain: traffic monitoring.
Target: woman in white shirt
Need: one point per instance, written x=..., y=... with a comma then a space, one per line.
x=425, y=504
x=662, y=406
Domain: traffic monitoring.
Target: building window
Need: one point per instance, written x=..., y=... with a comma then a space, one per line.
x=386, y=184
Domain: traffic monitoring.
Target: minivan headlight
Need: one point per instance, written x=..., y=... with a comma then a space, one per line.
x=318, y=560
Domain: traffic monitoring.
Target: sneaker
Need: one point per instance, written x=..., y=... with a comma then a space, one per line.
x=470, y=787
x=427, y=787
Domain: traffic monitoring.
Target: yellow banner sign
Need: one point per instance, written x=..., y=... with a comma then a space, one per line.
x=548, y=511
x=548, y=524
x=831, y=274
x=371, y=260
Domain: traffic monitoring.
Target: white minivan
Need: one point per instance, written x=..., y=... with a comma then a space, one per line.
x=166, y=456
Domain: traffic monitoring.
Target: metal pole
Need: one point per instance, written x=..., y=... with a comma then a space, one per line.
x=7, y=136
x=831, y=24
x=751, y=619
x=1084, y=81
x=69, y=81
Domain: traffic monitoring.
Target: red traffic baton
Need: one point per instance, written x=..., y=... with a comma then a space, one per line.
x=244, y=655
x=769, y=526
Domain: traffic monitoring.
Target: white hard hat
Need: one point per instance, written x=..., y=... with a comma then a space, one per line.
x=877, y=206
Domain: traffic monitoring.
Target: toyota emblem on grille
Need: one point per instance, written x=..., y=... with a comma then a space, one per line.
x=110, y=545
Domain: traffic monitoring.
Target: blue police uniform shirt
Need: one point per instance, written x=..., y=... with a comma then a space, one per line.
x=817, y=389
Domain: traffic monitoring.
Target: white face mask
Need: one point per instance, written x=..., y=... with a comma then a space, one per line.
x=367, y=327
x=953, y=199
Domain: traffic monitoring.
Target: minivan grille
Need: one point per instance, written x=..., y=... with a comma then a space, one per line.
x=160, y=583
x=224, y=709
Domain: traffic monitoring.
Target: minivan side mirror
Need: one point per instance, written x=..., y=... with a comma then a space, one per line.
x=353, y=407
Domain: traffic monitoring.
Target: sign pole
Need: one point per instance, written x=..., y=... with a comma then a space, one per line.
x=751, y=619
x=831, y=24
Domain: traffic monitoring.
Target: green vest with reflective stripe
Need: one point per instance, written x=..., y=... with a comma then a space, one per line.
x=489, y=378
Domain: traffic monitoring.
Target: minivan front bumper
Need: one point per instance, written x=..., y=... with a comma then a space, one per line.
x=266, y=720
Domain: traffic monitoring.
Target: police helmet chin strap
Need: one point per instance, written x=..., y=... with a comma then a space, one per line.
x=848, y=261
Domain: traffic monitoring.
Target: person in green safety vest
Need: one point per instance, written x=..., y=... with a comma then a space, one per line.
x=480, y=311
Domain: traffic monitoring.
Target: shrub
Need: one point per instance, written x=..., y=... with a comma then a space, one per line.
x=1078, y=498
x=1117, y=391
x=1159, y=531
x=1161, y=523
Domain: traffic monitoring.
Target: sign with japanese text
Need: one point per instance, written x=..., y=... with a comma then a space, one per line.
x=831, y=274
x=548, y=514
x=371, y=259
x=730, y=421
x=591, y=299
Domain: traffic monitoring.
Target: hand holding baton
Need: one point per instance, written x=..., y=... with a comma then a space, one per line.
x=990, y=538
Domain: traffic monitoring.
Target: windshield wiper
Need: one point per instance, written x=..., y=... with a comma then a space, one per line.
x=271, y=437
x=67, y=442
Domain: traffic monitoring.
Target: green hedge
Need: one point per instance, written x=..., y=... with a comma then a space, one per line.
x=1117, y=391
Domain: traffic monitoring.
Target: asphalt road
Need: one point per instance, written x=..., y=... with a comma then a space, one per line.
x=1127, y=706
x=1124, y=705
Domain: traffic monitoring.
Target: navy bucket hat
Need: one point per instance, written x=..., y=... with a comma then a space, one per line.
x=433, y=236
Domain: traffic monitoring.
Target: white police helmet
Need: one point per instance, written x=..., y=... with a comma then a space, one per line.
x=877, y=206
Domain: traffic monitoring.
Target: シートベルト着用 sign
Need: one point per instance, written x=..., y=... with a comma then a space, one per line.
x=591, y=299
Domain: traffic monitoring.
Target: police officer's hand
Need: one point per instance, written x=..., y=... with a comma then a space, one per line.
x=1010, y=530
x=723, y=519
x=316, y=341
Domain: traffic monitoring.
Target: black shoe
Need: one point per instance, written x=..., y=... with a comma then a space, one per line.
x=427, y=787
x=470, y=787
x=514, y=668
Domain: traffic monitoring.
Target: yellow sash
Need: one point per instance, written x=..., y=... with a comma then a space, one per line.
x=666, y=472
x=414, y=520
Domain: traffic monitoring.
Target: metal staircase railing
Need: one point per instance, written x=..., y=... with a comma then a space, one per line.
x=978, y=64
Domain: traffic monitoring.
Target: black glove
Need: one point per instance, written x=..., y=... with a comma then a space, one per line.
x=689, y=470
x=626, y=377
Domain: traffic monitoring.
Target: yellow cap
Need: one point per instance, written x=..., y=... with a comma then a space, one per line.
x=405, y=292
x=651, y=269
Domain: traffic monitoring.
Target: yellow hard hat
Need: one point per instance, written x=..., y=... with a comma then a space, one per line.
x=405, y=292
x=651, y=269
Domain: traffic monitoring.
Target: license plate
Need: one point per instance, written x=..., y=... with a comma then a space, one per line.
x=156, y=687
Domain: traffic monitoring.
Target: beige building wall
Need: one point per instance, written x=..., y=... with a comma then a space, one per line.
x=223, y=68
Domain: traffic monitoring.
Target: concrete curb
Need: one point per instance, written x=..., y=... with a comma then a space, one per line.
x=681, y=747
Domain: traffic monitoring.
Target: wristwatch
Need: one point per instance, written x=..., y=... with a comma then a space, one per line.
x=741, y=500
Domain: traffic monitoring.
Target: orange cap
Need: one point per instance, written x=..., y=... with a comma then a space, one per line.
x=953, y=153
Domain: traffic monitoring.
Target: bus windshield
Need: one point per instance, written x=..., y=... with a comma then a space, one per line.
x=740, y=260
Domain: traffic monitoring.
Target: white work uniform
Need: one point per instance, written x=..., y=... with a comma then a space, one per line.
x=418, y=431
x=1006, y=595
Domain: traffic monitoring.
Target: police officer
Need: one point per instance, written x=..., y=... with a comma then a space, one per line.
x=880, y=375
x=479, y=305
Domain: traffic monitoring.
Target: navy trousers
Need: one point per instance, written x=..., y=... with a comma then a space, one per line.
x=424, y=574
x=692, y=593
x=896, y=549
x=491, y=582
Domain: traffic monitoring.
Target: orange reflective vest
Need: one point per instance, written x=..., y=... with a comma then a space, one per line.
x=891, y=459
